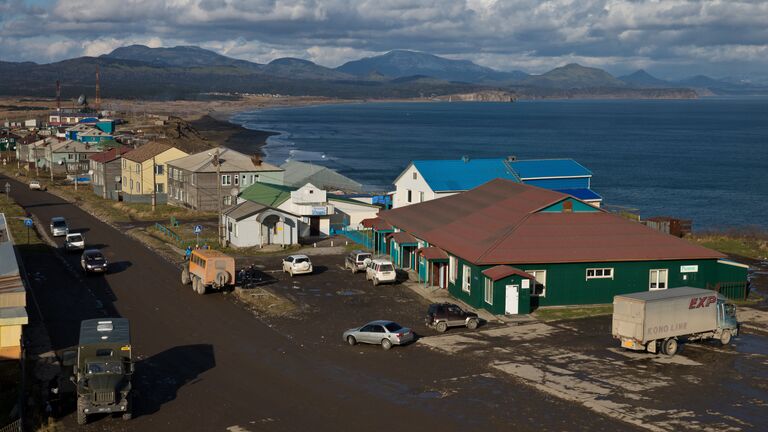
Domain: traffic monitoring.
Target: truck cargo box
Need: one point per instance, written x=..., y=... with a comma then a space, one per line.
x=655, y=315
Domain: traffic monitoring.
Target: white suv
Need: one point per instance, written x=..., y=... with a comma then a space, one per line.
x=380, y=271
x=74, y=241
x=297, y=264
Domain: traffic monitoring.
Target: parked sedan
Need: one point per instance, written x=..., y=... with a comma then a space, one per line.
x=35, y=185
x=384, y=333
x=93, y=261
x=297, y=264
x=74, y=241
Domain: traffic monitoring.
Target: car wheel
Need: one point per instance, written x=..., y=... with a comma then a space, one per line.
x=725, y=337
x=375, y=281
x=472, y=324
x=290, y=272
x=386, y=344
x=351, y=340
x=442, y=326
x=670, y=347
x=185, y=278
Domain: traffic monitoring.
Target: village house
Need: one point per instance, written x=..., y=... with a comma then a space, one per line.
x=425, y=180
x=107, y=172
x=193, y=181
x=145, y=174
x=509, y=248
x=69, y=156
x=13, y=297
x=250, y=224
x=35, y=153
x=308, y=211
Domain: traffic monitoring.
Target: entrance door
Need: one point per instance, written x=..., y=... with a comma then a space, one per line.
x=512, y=299
x=314, y=226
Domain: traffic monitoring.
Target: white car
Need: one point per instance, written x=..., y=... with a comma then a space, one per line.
x=74, y=241
x=380, y=271
x=35, y=185
x=297, y=264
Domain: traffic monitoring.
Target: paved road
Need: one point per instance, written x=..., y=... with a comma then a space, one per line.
x=207, y=364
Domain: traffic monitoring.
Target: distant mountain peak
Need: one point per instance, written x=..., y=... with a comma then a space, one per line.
x=574, y=75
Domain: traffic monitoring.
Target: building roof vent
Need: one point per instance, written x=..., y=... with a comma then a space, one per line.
x=511, y=158
x=465, y=158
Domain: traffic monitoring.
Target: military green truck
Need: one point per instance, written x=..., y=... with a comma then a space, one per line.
x=102, y=368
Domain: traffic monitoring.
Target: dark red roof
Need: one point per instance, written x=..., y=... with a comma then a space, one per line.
x=501, y=271
x=376, y=223
x=109, y=155
x=433, y=253
x=402, y=237
x=499, y=223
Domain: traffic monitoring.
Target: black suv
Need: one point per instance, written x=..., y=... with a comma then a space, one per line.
x=355, y=261
x=440, y=316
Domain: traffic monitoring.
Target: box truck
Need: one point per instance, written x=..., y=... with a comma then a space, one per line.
x=658, y=321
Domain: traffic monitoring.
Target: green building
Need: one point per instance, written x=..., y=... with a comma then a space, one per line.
x=509, y=248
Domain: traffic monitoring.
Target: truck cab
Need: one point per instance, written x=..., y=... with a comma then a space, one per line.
x=727, y=324
x=102, y=368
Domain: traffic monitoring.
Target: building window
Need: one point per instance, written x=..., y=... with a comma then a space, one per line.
x=540, y=283
x=227, y=200
x=409, y=195
x=237, y=179
x=124, y=163
x=125, y=180
x=599, y=273
x=138, y=168
x=192, y=178
x=415, y=176
x=226, y=180
x=453, y=268
x=488, y=291
x=138, y=186
x=421, y=196
x=159, y=169
x=466, y=278
x=160, y=187
x=131, y=185
x=658, y=279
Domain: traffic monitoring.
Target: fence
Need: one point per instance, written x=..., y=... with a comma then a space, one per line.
x=362, y=237
x=13, y=427
x=171, y=234
x=732, y=290
x=168, y=232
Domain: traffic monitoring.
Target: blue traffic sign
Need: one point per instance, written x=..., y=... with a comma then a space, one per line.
x=198, y=229
x=28, y=222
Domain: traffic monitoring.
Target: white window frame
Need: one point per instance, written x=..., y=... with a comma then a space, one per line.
x=408, y=195
x=421, y=196
x=237, y=179
x=466, y=278
x=160, y=187
x=159, y=169
x=657, y=280
x=600, y=273
x=453, y=268
x=537, y=280
x=227, y=199
x=226, y=180
x=488, y=292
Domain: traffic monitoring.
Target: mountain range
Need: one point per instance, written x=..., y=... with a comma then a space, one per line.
x=193, y=72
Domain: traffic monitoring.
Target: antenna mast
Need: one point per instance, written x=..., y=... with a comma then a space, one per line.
x=58, y=96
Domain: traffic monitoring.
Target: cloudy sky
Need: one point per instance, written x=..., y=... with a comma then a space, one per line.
x=670, y=38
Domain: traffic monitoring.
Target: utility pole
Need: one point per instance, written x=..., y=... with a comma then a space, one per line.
x=218, y=190
x=77, y=167
x=154, y=184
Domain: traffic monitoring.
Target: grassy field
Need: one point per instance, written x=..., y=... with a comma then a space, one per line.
x=566, y=313
x=15, y=216
x=747, y=243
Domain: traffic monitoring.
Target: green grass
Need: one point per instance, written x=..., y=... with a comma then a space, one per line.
x=576, y=312
x=750, y=245
x=14, y=216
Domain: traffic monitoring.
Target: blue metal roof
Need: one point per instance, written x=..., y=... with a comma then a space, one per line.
x=462, y=174
x=582, y=194
x=538, y=168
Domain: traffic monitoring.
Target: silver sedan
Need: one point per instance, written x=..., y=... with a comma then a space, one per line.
x=384, y=333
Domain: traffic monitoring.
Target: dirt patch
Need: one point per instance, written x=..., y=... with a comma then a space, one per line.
x=264, y=302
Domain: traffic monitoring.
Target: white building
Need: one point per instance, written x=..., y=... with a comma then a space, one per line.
x=251, y=224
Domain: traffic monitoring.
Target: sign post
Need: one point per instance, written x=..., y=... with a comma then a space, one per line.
x=8, y=191
x=28, y=223
x=198, y=229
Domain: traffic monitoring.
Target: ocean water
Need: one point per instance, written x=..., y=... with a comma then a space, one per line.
x=704, y=159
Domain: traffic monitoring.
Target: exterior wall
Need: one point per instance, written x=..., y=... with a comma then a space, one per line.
x=251, y=232
x=576, y=206
x=271, y=177
x=137, y=176
x=10, y=342
x=351, y=214
x=560, y=183
x=406, y=182
x=202, y=195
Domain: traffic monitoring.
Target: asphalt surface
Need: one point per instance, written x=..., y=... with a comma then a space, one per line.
x=206, y=363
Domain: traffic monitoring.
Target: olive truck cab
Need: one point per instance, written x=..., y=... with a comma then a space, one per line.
x=102, y=368
x=658, y=321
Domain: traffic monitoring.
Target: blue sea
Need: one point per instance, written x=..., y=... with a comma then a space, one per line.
x=704, y=159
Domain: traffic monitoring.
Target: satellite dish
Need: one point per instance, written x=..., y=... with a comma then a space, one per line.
x=82, y=100
x=90, y=172
x=234, y=192
x=117, y=179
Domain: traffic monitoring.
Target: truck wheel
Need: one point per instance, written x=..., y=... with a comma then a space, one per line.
x=185, y=278
x=386, y=344
x=669, y=347
x=198, y=286
x=442, y=326
x=82, y=417
x=725, y=337
x=127, y=416
x=472, y=324
x=375, y=281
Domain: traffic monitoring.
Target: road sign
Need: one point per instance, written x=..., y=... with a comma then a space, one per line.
x=28, y=223
x=198, y=229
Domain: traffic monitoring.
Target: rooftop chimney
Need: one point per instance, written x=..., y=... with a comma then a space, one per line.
x=511, y=158
x=465, y=158
x=256, y=159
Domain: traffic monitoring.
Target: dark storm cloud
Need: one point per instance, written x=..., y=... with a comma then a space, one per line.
x=719, y=37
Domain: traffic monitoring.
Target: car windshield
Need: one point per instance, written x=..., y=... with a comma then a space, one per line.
x=386, y=267
x=363, y=257
x=75, y=238
x=393, y=327
x=93, y=368
x=301, y=260
x=59, y=224
x=95, y=256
